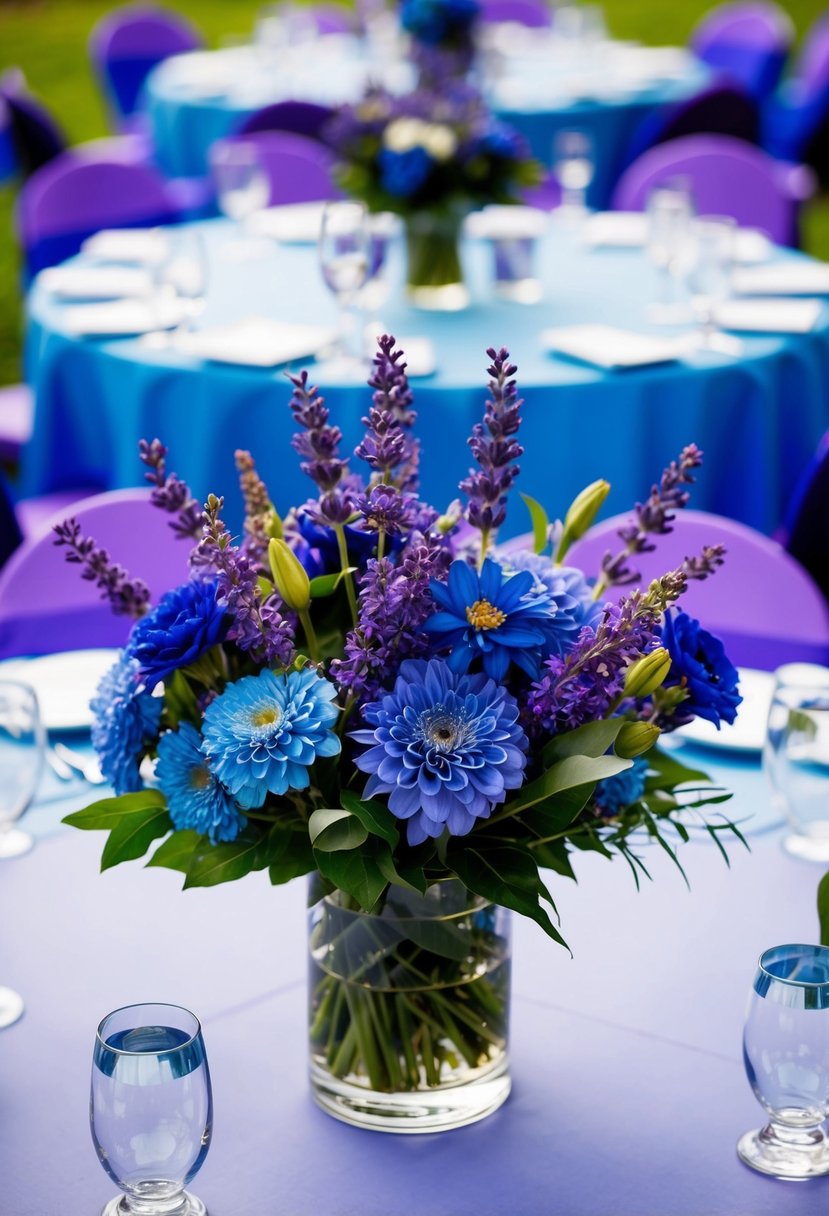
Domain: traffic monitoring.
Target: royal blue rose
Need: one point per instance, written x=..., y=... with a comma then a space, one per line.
x=700, y=665
x=403, y=173
x=186, y=622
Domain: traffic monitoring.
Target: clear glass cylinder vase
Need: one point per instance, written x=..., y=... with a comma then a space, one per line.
x=409, y=1009
x=434, y=273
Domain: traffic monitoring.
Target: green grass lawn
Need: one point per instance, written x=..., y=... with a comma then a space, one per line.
x=48, y=39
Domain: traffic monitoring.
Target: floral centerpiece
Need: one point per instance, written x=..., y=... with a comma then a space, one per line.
x=442, y=36
x=384, y=697
x=430, y=157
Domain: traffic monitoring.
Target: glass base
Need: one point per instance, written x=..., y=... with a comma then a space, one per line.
x=449, y=297
x=807, y=848
x=428, y=1110
x=184, y=1204
x=519, y=291
x=800, y=1156
x=11, y=1007
x=14, y=843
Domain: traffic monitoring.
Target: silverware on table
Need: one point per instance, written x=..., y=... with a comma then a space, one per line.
x=86, y=766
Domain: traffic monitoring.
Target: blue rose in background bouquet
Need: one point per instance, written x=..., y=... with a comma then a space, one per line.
x=425, y=707
x=442, y=36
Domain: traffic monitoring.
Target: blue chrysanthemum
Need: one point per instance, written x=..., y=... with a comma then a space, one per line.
x=617, y=793
x=444, y=747
x=492, y=616
x=195, y=799
x=403, y=173
x=264, y=731
x=125, y=720
x=185, y=623
x=573, y=607
x=699, y=663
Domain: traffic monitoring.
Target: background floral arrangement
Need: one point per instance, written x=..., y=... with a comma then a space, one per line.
x=442, y=36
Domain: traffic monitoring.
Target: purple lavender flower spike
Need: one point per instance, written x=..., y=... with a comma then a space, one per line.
x=170, y=493
x=388, y=448
x=318, y=443
x=258, y=508
x=385, y=509
x=128, y=596
x=495, y=452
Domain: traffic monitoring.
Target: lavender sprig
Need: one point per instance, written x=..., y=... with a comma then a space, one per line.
x=318, y=444
x=495, y=451
x=170, y=493
x=388, y=448
x=259, y=510
x=705, y=563
x=128, y=596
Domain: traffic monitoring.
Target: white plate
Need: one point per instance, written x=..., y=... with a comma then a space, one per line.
x=769, y=316
x=629, y=230
x=96, y=282
x=748, y=731
x=121, y=318
x=257, y=342
x=792, y=277
x=64, y=684
x=504, y=223
x=610, y=348
x=135, y=246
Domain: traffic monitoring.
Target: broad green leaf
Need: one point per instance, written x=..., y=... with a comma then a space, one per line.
x=507, y=875
x=176, y=852
x=133, y=835
x=358, y=873
x=266, y=587
x=554, y=855
x=556, y=814
x=540, y=521
x=326, y=584
x=410, y=876
x=288, y=852
x=107, y=813
x=180, y=702
x=373, y=815
x=592, y=739
x=224, y=862
x=332, y=830
x=567, y=774
x=670, y=771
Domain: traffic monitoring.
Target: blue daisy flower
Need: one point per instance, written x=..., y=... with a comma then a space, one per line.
x=263, y=732
x=617, y=793
x=195, y=799
x=573, y=607
x=185, y=623
x=125, y=720
x=445, y=748
x=492, y=616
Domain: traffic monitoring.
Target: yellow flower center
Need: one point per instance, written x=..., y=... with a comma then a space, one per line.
x=267, y=717
x=483, y=615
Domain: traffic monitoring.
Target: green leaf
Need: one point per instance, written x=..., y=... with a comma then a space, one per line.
x=176, y=852
x=540, y=521
x=229, y=860
x=288, y=852
x=410, y=875
x=332, y=830
x=554, y=855
x=133, y=835
x=373, y=815
x=326, y=584
x=507, y=875
x=358, y=873
x=592, y=739
x=266, y=587
x=670, y=771
x=107, y=813
x=180, y=702
x=567, y=774
x=555, y=814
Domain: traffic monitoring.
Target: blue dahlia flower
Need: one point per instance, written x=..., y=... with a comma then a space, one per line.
x=195, y=799
x=573, y=607
x=492, y=616
x=616, y=793
x=263, y=732
x=185, y=623
x=403, y=173
x=699, y=663
x=445, y=748
x=126, y=719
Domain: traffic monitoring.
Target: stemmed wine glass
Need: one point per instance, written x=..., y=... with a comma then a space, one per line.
x=242, y=189
x=151, y=1108
x=786, y=1055
x=345, y=254
x=796, y=756
x=669, y=212
x=22, y=751
x=181, y=281
x=711, y=261
x=574, y=168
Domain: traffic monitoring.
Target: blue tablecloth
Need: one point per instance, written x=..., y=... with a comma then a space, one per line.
x=758, y=418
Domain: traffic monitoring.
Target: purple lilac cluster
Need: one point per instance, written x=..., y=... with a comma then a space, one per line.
x=318, y=444
x=128, y=596
x=495, y=448
x=169, y=492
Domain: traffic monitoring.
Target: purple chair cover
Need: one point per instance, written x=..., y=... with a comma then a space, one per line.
x=748, y=43
x=299, y=117
x=298, y=169
x=796, y=117
x=718, y=109
x=532, y=13
x=546, y=196
x=127, y=44
x=807, y=523
x=16, y=414
x=45, y=606
x=332, y=19
x=728, y=177
x=75, y=196
x=761, y=602
x=35, y=135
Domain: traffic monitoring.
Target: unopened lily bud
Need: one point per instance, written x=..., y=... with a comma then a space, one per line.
x=445, y=523
x=636, y=738
x=289, y=575
x=583, y=510
x=273, y=525
x=648, y=673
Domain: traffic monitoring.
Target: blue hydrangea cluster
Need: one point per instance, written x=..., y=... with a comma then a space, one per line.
x=617, y=793
x=125, y=720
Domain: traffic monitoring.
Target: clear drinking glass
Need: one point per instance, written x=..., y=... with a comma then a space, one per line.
x=786, y=1056
x=183, y=276
x=669, y=212
x=242, y=189
x=151, y=1108
x=574, y=168
x=22, y=751
x=796, y=756
x=345, y=255
x=710, y=264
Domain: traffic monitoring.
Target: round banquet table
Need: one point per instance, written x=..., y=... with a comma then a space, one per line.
x=758, y=417
x=195, y=99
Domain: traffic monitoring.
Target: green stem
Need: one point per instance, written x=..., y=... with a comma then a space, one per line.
x=310, y=635
x=381, y=543
x=351, y=595
x=484, y=547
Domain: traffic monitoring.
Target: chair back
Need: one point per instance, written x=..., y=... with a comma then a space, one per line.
x=717, y=109
x=45, y=606
x=748, y=42
x=126, y=45
x=298, y=169
x=535, y=14
x=761, y=602
x=35, y=136
x=727, y=177
x=332, y=19
x=76, y=195
x=807, y=520
x=297, y=117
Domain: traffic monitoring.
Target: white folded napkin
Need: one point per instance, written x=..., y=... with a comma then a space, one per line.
x=257, y=342
x=122, y=318
x=96, y=282
x=610, y=348
x=629, y=230
x=792, y=277
x=768, y=316
x=499, y=223
x=137, y=246
x=420, y=356
x=300, y=223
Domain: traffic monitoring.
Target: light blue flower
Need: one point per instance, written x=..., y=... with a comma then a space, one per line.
x=573, y=607
x=263, y=732
x=125, y=721
x=195, y=799
x=617, y=793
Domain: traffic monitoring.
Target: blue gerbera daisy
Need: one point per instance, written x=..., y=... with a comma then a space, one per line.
x=445, y=748
x=492, y=616
x=125, y=720
x=195, y=799
x=263, y=732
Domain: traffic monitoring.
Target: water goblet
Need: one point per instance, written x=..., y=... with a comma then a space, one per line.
x=574, y=168
x=710, y=263
x=345, y=255
x=796, y=757
x=151, y=1108
x=242, y=189
x=22, y=752
x=181, y=279
x=669, y=212
x=786, y=1056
